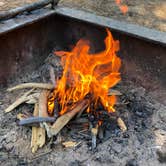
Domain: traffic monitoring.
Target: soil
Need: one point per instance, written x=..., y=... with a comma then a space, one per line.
x=144, y=142
x=147, y=13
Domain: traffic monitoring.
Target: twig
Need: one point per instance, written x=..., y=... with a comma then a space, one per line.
x=31, y=85
x=19, y=101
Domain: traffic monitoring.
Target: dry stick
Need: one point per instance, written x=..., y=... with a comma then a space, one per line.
x=121, y=124
x=19, y=101
x=64, y=119
x=38, y=133
x=42, y=113
x=31, y=85
x=94, y=132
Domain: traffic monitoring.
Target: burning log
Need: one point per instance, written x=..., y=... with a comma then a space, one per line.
x=26, y=97
x=64, y=119
x=121, y=124
x=31, y=85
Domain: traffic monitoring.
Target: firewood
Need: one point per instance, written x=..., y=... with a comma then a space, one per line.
x=38, y=133
x=43, y=103
x=121, y=124
x=31, y=85
x=42, y=112
x=21, y=100
x=64, y=119
x=35, y=121
x=34, y=138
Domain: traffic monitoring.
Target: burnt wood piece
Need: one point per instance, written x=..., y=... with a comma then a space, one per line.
x=34, y=121
x=27, y=8
x=64, y=119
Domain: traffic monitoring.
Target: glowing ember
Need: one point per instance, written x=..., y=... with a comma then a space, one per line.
x=122, y=7
x=88, y=74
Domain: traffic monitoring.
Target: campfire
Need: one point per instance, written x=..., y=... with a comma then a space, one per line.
x=84, y=93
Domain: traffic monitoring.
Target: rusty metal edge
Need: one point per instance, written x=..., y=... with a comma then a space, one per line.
x=137, y=31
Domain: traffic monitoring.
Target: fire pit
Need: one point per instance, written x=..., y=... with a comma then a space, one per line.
x=83, y=93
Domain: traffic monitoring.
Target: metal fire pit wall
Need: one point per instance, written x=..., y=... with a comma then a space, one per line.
x=25, y=41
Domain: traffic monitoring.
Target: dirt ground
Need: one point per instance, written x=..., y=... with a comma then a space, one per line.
x=144, y=142
x=150, y=13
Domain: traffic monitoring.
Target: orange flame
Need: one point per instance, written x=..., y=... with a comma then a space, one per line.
x=86, y=73
x=122, y=7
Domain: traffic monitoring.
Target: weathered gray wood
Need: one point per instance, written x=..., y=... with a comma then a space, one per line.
x=26, y=8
